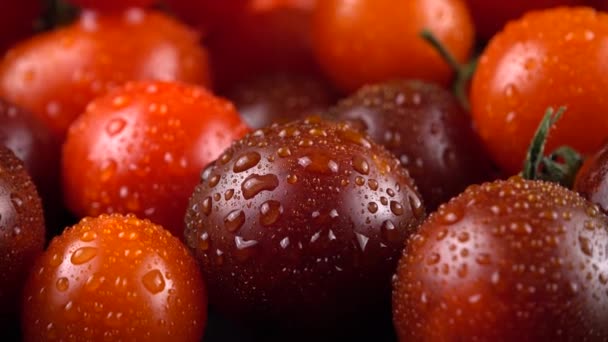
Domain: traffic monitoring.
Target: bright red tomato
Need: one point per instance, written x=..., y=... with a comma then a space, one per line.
x=546, y=59
x=249, y=37
x=17, y=20
x=491, y=16
x=140, y=149
x=55, y=74
x=368, y=41
x=112, y=5
x=115, y=278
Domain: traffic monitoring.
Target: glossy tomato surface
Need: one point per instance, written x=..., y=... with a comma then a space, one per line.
x=369, y=41
x=547, y=59
x=140, y=149
x=112, y=5
x=55, y=74
x=298, y=226
x=513, y=260
x=115, y=278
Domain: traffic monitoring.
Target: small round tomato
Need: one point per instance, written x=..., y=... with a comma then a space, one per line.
x=514, y=260
x=115, y=278
x=592, y=179
x=369, y=41
x=54, y=75
x=548, y=58
x=21, y=233
x=140, y=149
x=17, y=20
x=250, y=37
x=112, y=5
x=491, y=16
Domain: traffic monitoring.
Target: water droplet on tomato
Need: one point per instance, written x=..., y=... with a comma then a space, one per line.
x=154, y=281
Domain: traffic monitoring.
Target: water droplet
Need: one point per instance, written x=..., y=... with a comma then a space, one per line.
x=304, y=161
x=433, y=259
x=373, y=184
x=354, y=136
x=450, y=217
x=83, y=255
x=88, y=236
x=333, y=213
x=390, y=232
x=203, y=243
x=360, y=165
x=372, y=207
x=463, y=236
x=495, y=278
x=206, y=205
x=108, y=170
x=284, y=242
x=246, y=161
x=115, y=126
x=270, y=212
x=234, y=220
x=226, y=157
x=284, y=152
x=397, y=208
x=462, y=270
x=242, y=243
x=474, y=298
x=154, y=281
x=362, y=240
x=331, y=235
x=62, y=284
x=586, y=245
x=483, y=259
x=333, y=166
x=16, y=200
x=254, y=184
x=214, y=180
x=292, y=179
x=228, y=194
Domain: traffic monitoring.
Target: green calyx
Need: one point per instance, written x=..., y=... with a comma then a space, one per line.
x=561, y=165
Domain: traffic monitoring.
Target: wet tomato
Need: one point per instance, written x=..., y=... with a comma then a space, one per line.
x=112, y=5
x=299, y=225
x=369, y=41
x=547, y=58
x=21, y=233
x=592, y=179
x=513, y=260
x=17, y=19
x=140, y=149
x=54, y=75
x=247, y=38
x=280, y=98
x=115, y=278
x=491, y=16
x=427, y=129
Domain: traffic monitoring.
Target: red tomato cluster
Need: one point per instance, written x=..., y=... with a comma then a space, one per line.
x=305, y=168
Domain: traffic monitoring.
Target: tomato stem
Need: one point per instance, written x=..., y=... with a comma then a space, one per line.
x=561, y=165
x=463, y=72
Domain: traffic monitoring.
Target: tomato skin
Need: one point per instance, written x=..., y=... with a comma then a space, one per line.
x=247, y=38
x=55, y=74
x=112, y=5
x=491, y=16
x=115, y=277
x=22, y=233
x=370, y=41
x=513, y=260
x=547, y=59
x=17, y=20
x=592, y=178
x=140, y=149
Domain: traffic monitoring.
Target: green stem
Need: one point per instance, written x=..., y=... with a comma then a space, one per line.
x=463, y=72
x=537, y=146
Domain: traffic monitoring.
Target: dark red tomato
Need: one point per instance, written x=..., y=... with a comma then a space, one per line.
x=55, y=74
x=140, y=149
x=592, y=179
x=21, y=233
x=427, y=129
x=513, y=260
x=251, y=37
x=491, y=16
x=299, y=225
x=280, y=98
x=545, y=59
x=112, y=5
x=17, y=19
x=369, y=41
x=115, y=278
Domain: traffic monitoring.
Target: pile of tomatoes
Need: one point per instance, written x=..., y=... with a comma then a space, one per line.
x=304, y=170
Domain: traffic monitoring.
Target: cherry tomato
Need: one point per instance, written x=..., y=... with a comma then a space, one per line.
x=369, y=41
x=21, y=233
x=548, y=58
x=251, y=37
x=592, y=179
x=112, y=5
x=280, y=98
x=17, y=20
x=299, y=225
x=55, y=74
x=115, y=278
x=491, y=16
x=514, y=260
x=140, y=149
